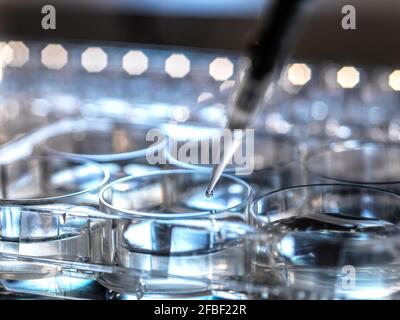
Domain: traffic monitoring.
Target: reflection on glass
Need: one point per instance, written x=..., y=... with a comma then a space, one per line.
x=267, y=162
x=338, y=237
x=33, y=220
x=119, y=147
x=356, y=162
x=175, y=231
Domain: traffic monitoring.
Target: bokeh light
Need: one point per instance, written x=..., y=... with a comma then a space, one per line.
x=394, y=80
x=94, y=59
x=135, y=62
x=54, y=56
x=221, y=69
x=181, y=113
x=14, y=53
x=348, y=77
x=299, y=74
x=177, y=66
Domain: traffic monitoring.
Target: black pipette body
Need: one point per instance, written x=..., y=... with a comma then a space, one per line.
x=265, y=55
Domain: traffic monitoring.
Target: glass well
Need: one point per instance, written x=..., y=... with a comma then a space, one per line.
x=339, y=237
x=173, y=230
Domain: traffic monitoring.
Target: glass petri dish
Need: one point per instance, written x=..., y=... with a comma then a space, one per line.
x=338, y=238
x=39, y=180
x=171, y=230
x=356, y=162
x=34, y=190
x=120, y=147
x=267, y=162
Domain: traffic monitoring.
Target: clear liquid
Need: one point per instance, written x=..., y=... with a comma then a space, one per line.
x=333, y=251
x=168, y=273
x=60, y=286
x=73, y=241
x=32, y=234
x=168, y=251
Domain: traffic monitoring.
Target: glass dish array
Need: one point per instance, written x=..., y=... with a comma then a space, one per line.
x=84, y=215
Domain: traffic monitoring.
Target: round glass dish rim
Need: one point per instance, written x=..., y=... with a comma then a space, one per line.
x=295, y=157
x=358, y=144
x=254, y=215
x=170, y=216
x=50, y=200
x=111, y=156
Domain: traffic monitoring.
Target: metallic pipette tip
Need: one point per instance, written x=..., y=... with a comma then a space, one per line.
x=219, y=168
x=216, y=174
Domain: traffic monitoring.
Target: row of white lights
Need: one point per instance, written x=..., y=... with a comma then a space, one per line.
x=94, y=59
x=299, y=74
x=135, y=62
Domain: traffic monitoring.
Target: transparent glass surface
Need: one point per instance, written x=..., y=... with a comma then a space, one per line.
x=120, y=147
x=340, y=238
x=356, y=162
x=267, y=162
x=45, y=182
x=49, y=234
x=48, y=251
x=57, y=287
x=172, y=231
x=70, y=275
x=37, y=180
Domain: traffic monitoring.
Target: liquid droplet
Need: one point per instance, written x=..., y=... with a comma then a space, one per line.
x=209, y=193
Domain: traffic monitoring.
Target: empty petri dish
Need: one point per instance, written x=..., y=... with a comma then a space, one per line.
x=340, y=238
x=171, y=230
x=267, y=162
x=356, y=162
x=120, y=147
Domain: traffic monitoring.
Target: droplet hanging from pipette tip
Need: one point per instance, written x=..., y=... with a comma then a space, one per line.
x=209, y=193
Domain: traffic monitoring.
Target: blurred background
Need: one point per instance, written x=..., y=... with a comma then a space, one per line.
x=155, y=61
x=178, y=60
x=219, y=24
x=161, y=60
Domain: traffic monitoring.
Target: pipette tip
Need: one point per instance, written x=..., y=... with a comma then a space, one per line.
x=216, y=174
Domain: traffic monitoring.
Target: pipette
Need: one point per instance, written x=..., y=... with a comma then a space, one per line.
x=265, y=55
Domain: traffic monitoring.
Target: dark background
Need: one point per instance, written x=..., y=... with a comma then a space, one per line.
x=211, y=24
